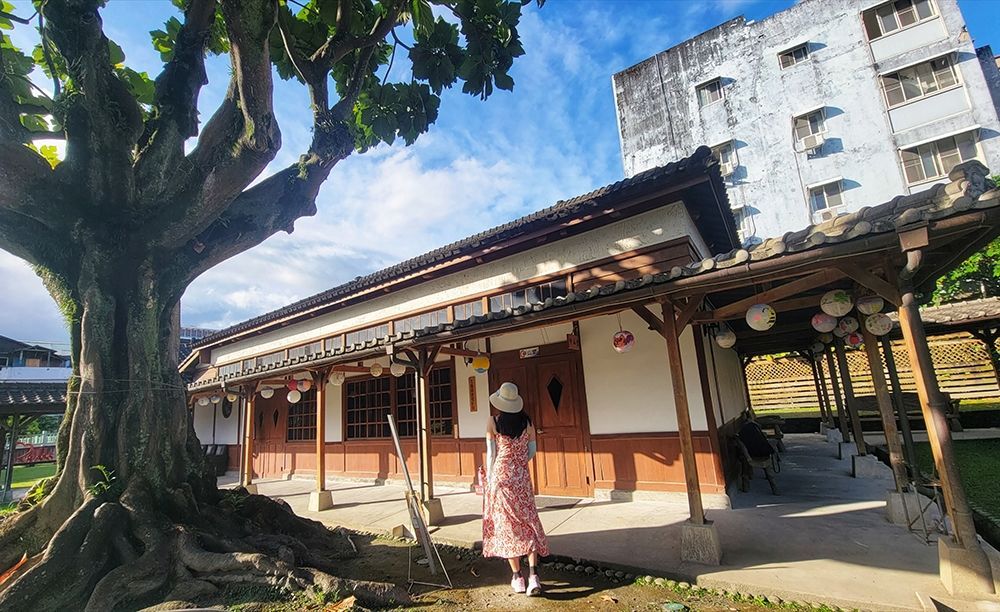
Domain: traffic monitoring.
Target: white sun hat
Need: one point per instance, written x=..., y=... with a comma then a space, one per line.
x=506, y=398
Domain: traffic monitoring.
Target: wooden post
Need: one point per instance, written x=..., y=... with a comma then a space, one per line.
x=934, y=407
x=320, y=382
x=909, y=450
x=852, y=407
x=426, y=490
x=841, y=415
x=246, y=479
x=818, y=364
x=885, y=409
x=672, y=337
x=823, y=414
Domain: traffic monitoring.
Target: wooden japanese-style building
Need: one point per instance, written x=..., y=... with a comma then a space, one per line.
x=542, y=297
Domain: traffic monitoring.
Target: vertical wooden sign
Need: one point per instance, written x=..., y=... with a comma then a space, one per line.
x=472, y=395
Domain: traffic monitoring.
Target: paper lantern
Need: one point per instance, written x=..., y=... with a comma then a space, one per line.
x=853, y=339
x=481, y=364
x=848, y=325
x=231, y=397
x=836, y=303
x=376, y=369
x=725, y=338
x=870, y=304
x=292, y=385
x=203, y=401
x=817, y=347
x=761, y=317
x=293, y=397
x=838, y=332
x=397, y=369
x=215, y=399
x=879, y=324
x=825, y=338
x=267, y=392
x=623, y=341
x=823, y=322
x=337, y=378
x=303, y=385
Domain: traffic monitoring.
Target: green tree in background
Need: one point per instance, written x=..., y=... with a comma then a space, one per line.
x=976, y=277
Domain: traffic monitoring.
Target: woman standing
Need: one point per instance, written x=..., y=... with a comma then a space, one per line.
x=511, y=527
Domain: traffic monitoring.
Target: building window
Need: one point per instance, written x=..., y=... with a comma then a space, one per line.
x=709, y=92
x=428, y=319
x=468, y=310
x=302, y=418
x=306, y=351
x=918, y=81
x=528, y=295
x=936, y=159
x=231, y=369
x=793, y=56
x=362, y=336
x=726, y=154
x=891, y=16
x=825, y=201
x=335, y=343
x=369, y=400
x=271, y=359
x=809, y=130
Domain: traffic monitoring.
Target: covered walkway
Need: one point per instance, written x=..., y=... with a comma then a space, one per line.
x=824, y=539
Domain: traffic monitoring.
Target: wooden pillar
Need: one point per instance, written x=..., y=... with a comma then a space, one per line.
x=426, y=489
x=934, y=407
x=848, y=387
x=672, y=337
x=320, y=382
x=246, y=479
x=818, y=364
x=885, y=409
x=824, y=416
x=834, y=386
x=909, y=450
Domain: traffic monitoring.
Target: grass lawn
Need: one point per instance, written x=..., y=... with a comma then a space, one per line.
x=27, y=475
x=978, y=465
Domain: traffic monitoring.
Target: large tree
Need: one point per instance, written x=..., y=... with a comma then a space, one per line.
x=144, y=200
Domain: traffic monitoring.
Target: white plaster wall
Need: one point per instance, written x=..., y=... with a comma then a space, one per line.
x=659, y=119
x=334, y=400
x=654, y=227
x=631, y=392
x=908, y=39
x=929, y=109
x=203, y=423
x=728, y=381
x=530, y=337
x=227, y=431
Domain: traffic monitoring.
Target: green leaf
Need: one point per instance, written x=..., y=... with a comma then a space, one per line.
x=116, y=54
x=503, y=81
x=49, y=152
x=423, y=18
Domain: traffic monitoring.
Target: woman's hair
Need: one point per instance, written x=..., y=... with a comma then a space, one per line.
x=512, y=425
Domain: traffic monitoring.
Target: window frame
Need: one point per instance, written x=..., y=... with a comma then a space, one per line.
x=515, y=298
x=940, y=171
x=823, y=188
x=306, y=421
x=705, y=86
x=406, y=424
x=791, y=53
x=877, y=20
x=718, y=149
x=805, y=116
x=956, y=75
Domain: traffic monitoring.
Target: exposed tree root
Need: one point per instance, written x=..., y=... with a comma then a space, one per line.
x=129, y=554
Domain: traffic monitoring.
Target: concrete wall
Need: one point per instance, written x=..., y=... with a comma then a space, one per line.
x=728, y=381
x=654, y=227
x=660, y=119
x=632, y=392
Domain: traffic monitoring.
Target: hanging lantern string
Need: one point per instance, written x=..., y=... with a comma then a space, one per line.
x=619, y=315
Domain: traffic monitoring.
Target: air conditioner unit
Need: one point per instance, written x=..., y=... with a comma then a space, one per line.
x=811, y=142
x=826, y=214
x=727, y=169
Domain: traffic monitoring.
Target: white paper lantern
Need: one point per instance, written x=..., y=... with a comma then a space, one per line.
x=761, y=317
x=839, y=333
x=825, y=338
x=836, y=303
x=337, y=378
x=870, y=304
x=879, y=324
x=203, y=401
x=481, y=364
x=231, y=397
x=725, y=338
x=817, y=347
x=215, y=399
x=848, y=325
x=397, y=369
x=854, y=339
x=304, y=385
x=376, y=369
x=823, y=322
x=267, y=392
x=623, y=341
x=293, y=397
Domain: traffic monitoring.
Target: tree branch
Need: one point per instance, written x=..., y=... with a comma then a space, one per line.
x=342, y=108
x=16, y=19
x=33, y=242
x=23, y=174
x=336, y=48
x=175, y=108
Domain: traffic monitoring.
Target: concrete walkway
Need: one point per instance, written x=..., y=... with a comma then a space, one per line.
x=824, y=539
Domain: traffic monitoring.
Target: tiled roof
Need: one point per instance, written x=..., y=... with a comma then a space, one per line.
x=697, y=162
x=969, y=189
x=961, y=313
x=32, y=393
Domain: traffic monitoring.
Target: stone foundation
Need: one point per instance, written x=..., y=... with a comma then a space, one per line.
x=320, y=500
x=700, y=543
x=964, y=571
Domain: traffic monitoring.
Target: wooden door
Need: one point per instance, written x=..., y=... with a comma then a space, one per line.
x=552, y=387
x=269, y=439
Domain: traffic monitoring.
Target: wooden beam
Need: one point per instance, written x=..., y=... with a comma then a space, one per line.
x=320, y=382
x=885, y=409
x=654, y=322
x=799, y=303
x=837, y=396
x=868, y=280
x=692, y=306
x=793, y=288
x=447, y=350
x=246, y=479
x=670, y=335
x=852, y=404
x=429, y=357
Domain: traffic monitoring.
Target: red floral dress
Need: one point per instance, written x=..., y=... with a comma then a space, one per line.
x=511, y=527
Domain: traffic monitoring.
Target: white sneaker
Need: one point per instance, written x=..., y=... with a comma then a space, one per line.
x=534, y=587
x=517, y=584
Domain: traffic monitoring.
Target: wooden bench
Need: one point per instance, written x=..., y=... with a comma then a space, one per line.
x=868, y=409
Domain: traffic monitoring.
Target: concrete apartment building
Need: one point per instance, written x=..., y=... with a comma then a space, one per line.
x=822, y=108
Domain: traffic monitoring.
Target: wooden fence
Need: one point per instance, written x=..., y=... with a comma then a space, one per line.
x=962, y=365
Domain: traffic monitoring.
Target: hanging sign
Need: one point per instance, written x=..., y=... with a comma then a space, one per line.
x=573, y=342
x=528, y=353
x=473, y=406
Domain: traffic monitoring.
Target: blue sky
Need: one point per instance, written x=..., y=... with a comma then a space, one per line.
x=482, y=163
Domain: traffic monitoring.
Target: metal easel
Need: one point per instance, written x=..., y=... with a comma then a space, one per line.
x=417, y=521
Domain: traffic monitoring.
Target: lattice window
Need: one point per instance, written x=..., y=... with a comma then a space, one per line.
x=367, y=403
x=302, y=418
x=368, y=400
x=441, y=401
x=406, y=405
